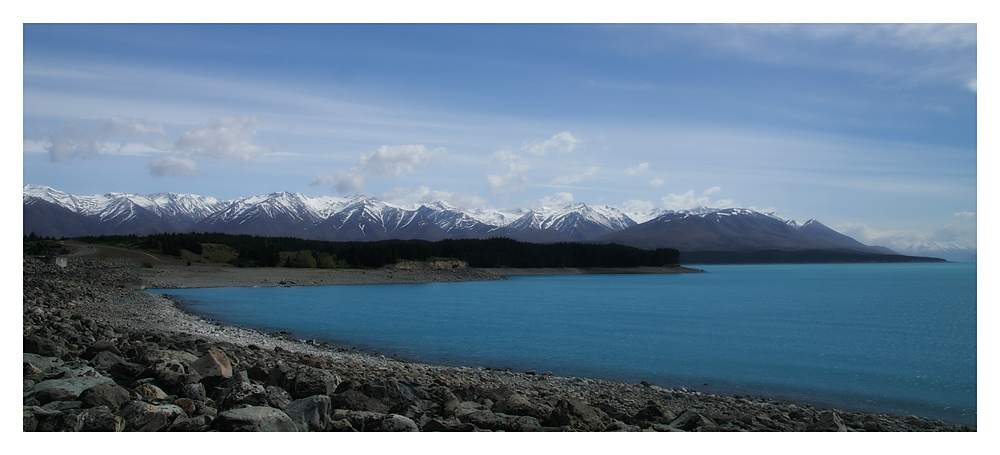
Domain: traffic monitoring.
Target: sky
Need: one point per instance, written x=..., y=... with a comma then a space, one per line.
x=868, y=128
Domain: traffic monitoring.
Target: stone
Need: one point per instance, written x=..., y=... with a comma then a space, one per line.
x=103, y=360
x=76, y=385
x=198, y=423
x=398, y=423
x=186, y=405
x=35, y=344
x=150, y=392
x=517, y=404
x=106, y=394
x=253, y=418
x=354, y=399
x=100, y=346
x=142, y=416
x=194, y=391
x=311, y=413
x=577, y=414
x=342, y=425
x=305, y=381
x=239, y=391
x=51, y=394
x=690, y=420
x=126, y=371
x=827, y=421
x=489, y=420
x=213, y=363
x=277, y=397
x=100, y=418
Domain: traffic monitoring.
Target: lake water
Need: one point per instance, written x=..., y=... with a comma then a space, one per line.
x=897, y=338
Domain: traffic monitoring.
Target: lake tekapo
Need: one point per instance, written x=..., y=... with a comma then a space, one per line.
x=894, y=338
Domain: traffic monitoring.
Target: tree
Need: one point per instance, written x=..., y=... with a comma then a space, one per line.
x=305, y=259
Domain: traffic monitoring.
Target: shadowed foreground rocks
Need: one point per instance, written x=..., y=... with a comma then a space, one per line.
x=99, y=356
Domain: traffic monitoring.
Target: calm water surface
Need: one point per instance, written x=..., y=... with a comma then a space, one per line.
x=897, y=338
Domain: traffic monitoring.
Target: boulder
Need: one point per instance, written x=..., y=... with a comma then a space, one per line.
x=213, y=363
x=374, y=421
x=827, y=421
x=100, y=418
x=103, y=360
x=277, y=397
x=358, y=401
x=690, y=420
x=51, y=394
x=101, y=346
x=150, y=392
x=198, y=423
x=35, y=344
x=106, y=394
x=489, y=420
x=311, y=413
x=75, y=385
x=253, y=418
x=577, y=414
x=142, y=416
x=305, y=381
x=519, y=405
x=239, y=391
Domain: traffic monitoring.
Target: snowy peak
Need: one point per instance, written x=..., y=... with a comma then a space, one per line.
x=50, y=212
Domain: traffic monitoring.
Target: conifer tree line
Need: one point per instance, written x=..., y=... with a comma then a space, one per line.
x=254, y=251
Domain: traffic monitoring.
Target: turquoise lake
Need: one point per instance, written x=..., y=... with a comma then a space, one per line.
x=897, y=338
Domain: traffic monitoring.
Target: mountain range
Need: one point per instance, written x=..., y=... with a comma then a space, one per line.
x=52, y=213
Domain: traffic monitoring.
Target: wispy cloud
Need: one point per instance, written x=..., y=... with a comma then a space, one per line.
x=576, y=178
x=641, y=168
x=689, y=200
x=173, y=166
x=563, y=142
x=393, y=160
x=232, y=138
x=81, y=139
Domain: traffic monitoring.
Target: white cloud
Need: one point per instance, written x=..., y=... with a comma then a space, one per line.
x=224, y=138
x=397, y=159
x=512, y=179
x=636, y=206
x=965, y=214
x=642, y=167
x=425, y=195
x=950, y=235
x=173, y=166
x=576, y=178
x=80, y=139
x=656, y=182
x=689, y=200
x=563, y=142
x=344, y=182
x=393, y=160
x=557, y=200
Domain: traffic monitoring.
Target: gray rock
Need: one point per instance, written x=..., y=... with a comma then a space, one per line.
x=51, y=394
x=142, y=416
x=311, y=413
x=277, y=397
x=46, y=364
x=197, y=423
x=489, y=420
x=827, y=421
x=101, y=346
x=103, y=360
x=398, y=423
x=305, y=381
x=105, y=394
x=690, y=420
x=519, y=405
x=239, y=391
x=577, y=414
x=213, y=363
x=253, y=418
x=76, y=385
x=100, y=419
x=150, y=392
x=43, y=346
x=354, y=399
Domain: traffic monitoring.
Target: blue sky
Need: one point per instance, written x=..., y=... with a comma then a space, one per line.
x=872, y=129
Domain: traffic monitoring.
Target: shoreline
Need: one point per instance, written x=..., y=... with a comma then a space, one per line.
x=175, y=277
x=437, y=397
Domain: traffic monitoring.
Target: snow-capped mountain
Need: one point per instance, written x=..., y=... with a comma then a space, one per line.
x=49, y=212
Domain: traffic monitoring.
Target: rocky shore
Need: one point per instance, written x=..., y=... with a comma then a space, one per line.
x=101, y=356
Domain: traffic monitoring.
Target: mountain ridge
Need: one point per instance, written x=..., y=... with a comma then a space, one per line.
x=52, y=213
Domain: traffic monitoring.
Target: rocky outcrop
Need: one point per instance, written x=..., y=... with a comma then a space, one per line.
x=99, y=356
